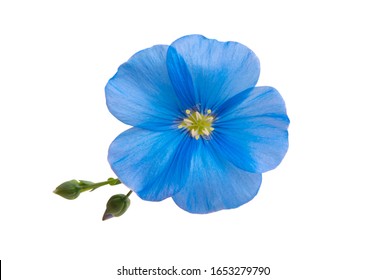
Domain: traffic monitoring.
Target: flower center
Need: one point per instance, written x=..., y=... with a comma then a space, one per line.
x=198, y=124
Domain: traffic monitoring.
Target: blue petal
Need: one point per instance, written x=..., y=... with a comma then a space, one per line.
x=151, y=163
x=140, y=94
x=205, y=72
x=214, y=183
x=251, y=129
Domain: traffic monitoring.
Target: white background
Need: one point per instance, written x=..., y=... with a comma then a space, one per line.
x=319, y=215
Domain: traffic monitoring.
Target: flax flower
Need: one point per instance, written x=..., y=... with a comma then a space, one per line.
x=202, y=132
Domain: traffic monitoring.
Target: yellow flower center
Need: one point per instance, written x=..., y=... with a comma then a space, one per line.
x=198, y=124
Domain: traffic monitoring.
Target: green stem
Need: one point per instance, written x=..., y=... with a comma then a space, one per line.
x=127, y=195
x=94, y=186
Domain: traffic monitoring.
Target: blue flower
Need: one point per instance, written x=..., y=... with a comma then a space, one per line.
x=202, y=132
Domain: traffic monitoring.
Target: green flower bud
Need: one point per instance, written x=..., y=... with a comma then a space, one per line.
x=117, y=205
x=69, y=190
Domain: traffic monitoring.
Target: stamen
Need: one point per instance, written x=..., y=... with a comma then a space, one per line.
x=187, y=121
x=198, y=124
x=194, y=133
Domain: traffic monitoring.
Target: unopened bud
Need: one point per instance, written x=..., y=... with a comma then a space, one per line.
x=117, y=205
x=69, y=190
